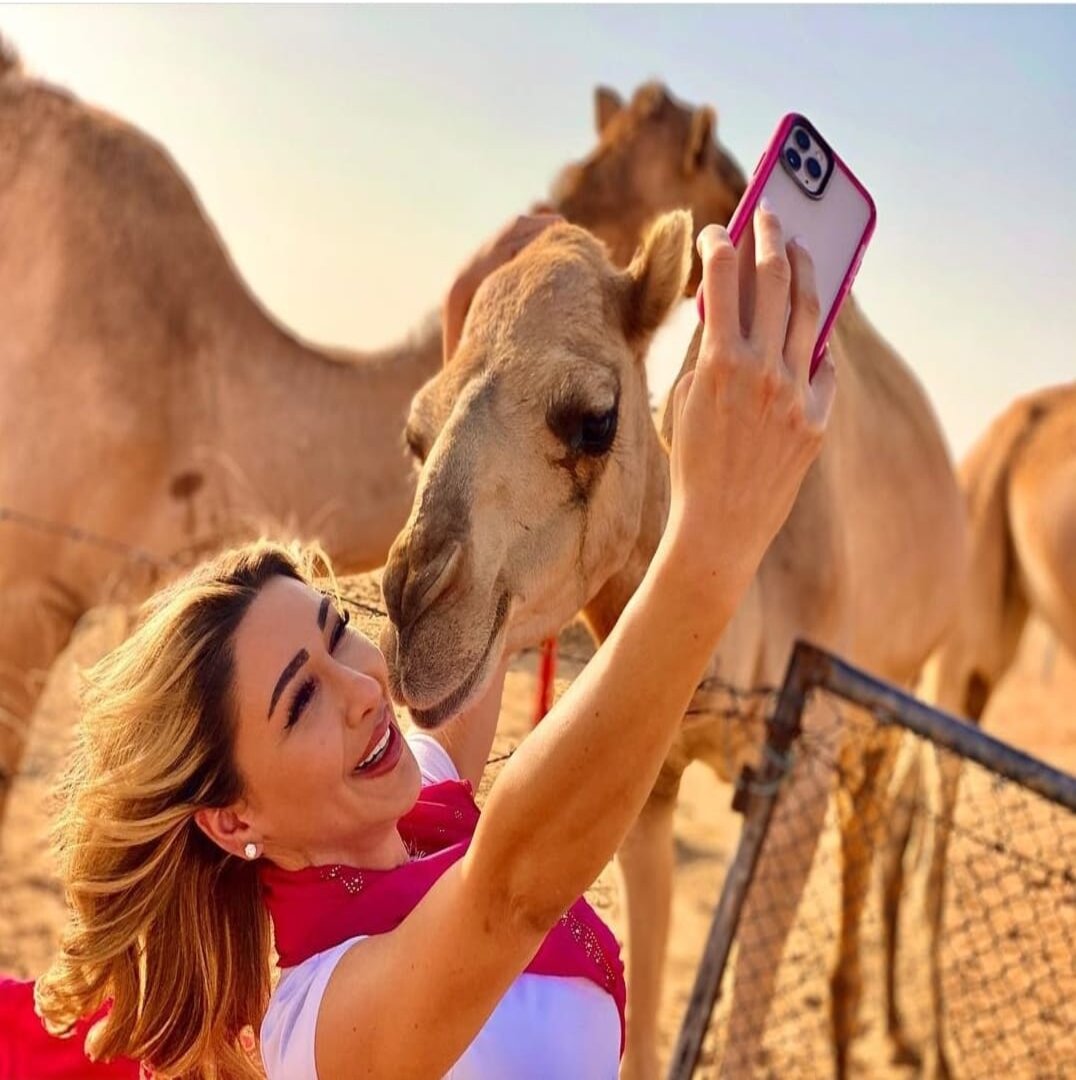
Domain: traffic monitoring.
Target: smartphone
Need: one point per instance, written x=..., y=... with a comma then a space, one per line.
x=817, y=197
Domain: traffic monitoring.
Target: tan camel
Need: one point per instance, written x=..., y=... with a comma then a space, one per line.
x=146, y=397
x=655, y=154
x=524, y=515
x=1019, y=482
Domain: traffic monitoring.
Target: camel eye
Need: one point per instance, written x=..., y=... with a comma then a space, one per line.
x=415, y=445
x=585, y=432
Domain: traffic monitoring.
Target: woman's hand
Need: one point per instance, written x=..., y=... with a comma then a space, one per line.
x=508, y=243
x=748, y=421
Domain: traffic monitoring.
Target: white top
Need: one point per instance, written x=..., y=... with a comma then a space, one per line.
x=544, y=1028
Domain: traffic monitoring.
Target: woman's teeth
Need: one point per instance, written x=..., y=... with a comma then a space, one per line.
x=378, y=751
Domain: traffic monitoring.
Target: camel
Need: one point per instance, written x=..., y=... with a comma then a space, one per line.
x=544, y=490
x=146, y=396
x=1019, y=481
x=654, y=154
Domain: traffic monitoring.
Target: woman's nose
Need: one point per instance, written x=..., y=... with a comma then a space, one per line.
x=363, y=695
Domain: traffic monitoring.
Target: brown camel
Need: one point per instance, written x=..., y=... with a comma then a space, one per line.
x=146, y=396
x=544, y=491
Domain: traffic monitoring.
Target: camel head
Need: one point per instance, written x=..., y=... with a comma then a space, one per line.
x=653, y=155
x=10, y=64
x=534, y=443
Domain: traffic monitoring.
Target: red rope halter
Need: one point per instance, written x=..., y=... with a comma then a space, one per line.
x=547, y=670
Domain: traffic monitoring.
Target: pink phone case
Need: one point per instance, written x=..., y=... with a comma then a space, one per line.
x=836, y=226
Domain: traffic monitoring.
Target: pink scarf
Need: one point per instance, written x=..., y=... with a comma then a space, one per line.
x=320, y=906
x=29, y=1052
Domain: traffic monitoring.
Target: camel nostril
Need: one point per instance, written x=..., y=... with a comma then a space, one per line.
x=428, y=583
x=412, y=583
x=394, y=580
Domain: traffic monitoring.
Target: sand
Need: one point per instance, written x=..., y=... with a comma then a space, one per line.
x=1006, y=965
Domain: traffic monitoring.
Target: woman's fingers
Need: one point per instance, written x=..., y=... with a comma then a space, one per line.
x=803, y=321
x=680, y=396
x=773, y=276
x=720, y=291
x=820, y=392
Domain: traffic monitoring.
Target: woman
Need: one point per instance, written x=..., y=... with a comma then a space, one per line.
x=239, y=749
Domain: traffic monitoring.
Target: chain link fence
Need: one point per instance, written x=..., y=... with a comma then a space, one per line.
x=982, y=983
x=936, y=931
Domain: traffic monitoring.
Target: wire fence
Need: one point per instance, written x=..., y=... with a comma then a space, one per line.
x=981, y=983
x=882, y=973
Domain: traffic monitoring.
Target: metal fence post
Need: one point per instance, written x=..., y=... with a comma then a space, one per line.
x=1002, y=873
x=756, y=794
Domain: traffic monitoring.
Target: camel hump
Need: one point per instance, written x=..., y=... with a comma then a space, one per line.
x=985, y=477
x=990, y=461
x=10, y=63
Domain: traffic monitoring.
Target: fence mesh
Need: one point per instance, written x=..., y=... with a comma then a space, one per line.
x=1006, y=951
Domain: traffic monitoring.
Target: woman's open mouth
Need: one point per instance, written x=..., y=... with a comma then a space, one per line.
x=383, y=750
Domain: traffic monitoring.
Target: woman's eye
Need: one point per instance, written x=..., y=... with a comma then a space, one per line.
x=306, y=691
x=339, y=630
x=300, y=701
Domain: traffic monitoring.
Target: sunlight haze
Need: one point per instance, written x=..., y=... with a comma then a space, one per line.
x=351, y=158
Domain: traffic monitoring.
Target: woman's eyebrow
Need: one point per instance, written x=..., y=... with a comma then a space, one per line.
x=297, y=661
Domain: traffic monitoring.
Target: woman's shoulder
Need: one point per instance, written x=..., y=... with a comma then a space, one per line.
x=290, y=1023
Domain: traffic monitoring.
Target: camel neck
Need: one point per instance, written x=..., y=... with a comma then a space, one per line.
x=314, y=441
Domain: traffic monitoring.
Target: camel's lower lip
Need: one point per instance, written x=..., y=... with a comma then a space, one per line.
x=437, y=714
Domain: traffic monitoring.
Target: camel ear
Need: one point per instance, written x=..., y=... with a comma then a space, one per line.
x=607, y=103
x=700, y=139
x=657, y=275
x=668, y=413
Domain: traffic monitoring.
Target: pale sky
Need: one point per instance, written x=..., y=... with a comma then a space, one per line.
x=352, y=157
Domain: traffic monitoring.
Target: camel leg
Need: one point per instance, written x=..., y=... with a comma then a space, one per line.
x=36, y=620
x=862, y=813
x=646, y=866
x=771, y=906
x=961, y=677
x=900, y=814
x=944, y=779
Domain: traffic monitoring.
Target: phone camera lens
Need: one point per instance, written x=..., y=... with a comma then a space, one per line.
x=814, y=170
x=793, y=158
x=802, y=139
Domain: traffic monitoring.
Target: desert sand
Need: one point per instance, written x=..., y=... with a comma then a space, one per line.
x=1010, y=945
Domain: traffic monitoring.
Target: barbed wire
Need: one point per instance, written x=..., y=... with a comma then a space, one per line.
x=86, y=536
x=172, y=563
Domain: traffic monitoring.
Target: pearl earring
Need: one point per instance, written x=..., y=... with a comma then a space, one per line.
x=251, y=851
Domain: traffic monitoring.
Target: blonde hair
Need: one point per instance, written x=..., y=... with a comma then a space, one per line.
x=163, y=921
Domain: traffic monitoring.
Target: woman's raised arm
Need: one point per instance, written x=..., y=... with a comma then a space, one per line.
x=748, y=425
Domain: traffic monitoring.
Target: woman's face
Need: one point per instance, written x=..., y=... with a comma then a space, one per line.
x=326, y=771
